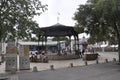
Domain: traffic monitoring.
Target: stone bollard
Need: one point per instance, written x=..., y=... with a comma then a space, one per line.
x=97, y=62
x=86, y=63
x=13, y=70
x=106, y=60
x=71, y=64
x=52, y=67
x=35, y=69
x=114, y=59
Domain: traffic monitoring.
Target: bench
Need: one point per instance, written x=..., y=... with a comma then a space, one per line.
x=90, y=56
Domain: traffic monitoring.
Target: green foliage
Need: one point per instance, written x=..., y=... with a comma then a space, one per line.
x=16, y=18
x=101, y=19
x=60, y=39
x=79, y=28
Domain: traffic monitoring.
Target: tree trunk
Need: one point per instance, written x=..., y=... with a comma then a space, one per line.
x=119, y=49
x=118, y=36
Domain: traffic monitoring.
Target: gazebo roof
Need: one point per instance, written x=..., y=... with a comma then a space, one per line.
x=59, y=30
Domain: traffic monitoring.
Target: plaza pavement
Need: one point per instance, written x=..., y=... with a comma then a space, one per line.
x=66, y=63
x=101, y=71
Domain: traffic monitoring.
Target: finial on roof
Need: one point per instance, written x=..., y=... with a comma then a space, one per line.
x=58, y=14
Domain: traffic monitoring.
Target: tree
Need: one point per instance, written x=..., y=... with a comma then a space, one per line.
x=60, y=38
x=101, y=19
x=16, y=18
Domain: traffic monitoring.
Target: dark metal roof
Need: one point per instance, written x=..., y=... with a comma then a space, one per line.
x=59, y=30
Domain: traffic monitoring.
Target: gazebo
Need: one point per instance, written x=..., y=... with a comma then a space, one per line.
x=59, y=30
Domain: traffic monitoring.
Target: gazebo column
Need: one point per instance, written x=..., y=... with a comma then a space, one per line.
x=78, y=43
x=42, y=42
x=45, y=44
x=75, y=42
x=58, y=42
x=38, y=48
x=70, y=43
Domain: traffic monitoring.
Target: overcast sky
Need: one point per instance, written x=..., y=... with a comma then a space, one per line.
x=66, y=8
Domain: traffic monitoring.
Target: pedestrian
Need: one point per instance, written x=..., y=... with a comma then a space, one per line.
x=80, y=50
x=83, y=51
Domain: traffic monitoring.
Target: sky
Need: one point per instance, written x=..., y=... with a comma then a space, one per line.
x=64, y=9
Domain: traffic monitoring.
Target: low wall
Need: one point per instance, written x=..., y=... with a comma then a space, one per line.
x=90, y=56
x=63, y=57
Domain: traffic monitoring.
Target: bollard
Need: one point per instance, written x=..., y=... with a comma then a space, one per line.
x=13, y=70
x=97, y=62
x=71, y=64
x=52, y=67
x=86, y=63
x=114, y=59
x=106, y=60
x=35, y=69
